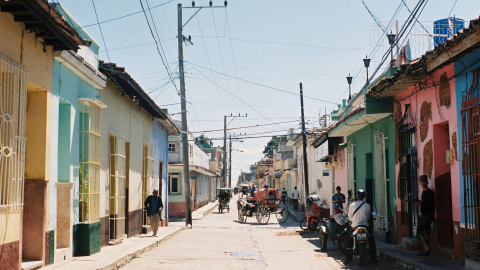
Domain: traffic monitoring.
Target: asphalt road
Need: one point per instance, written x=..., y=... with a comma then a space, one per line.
x=218, y=241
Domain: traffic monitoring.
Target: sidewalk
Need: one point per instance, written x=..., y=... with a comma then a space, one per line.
x=204, y=210
x=114, y=257
x=408, y=259
x=296, y=215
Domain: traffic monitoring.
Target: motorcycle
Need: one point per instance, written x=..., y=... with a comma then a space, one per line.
x=332, y=229
x=361, y=242
x=312, y=215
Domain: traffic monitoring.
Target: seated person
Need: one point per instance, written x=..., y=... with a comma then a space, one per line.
x=252, y=191
x=270, y=195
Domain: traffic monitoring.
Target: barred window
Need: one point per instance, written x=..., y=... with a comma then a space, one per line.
x=89, y=193
x=13, y=107
x=171, y=147
x=174, y=185
x=117, y=192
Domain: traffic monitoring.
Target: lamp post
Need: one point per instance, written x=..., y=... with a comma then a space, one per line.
x=366, y=62
x=349, y=80
x=391, y=40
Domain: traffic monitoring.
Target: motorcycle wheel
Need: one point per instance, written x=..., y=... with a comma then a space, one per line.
x=313, y=226
x=361, y=253
x=342, y=243
x=303, y=224
x=323, y=239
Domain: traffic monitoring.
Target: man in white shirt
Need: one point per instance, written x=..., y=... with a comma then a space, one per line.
x=359, y=213
x=295, y=193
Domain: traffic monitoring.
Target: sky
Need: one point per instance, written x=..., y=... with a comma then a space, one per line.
x=250, y=57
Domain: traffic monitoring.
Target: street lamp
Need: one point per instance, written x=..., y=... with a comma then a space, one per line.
x=366, y=62
x=349, y=80
x=391, y=40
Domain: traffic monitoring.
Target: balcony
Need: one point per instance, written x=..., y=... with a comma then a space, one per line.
x=290, y=163
x=279, y=165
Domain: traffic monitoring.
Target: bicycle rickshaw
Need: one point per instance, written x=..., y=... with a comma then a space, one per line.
x=243, y=190
x=224, y=194
x=261, y=206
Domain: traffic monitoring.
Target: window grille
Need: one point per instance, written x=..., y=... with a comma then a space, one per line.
x=171, y=147
x=146, y=180
x=381, y=180
x=471, y=166
x=351, y=172
x=174, y=185
x=89, y=171
x=117, y=187
x=13, y=108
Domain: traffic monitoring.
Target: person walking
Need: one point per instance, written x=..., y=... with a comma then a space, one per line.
x=154, y=206
x=338, y=199
x=427, y=211
x=295, y=194
x=284, y=195
x=359, y=213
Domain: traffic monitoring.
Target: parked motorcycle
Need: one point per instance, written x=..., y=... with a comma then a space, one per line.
x=312, y=215
x=332, y=228
x=361, y=242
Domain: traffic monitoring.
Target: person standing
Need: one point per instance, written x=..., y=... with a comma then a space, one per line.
x=338, y=199
x=427, y=211
x=284, y=195
x=154, y=205
x=252, y=191
x=295, y=194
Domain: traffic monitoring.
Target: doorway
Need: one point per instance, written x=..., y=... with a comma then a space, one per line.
x=127, y=186
x=443, y=186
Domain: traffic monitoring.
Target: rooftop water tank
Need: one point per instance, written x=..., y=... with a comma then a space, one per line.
x=446, y=28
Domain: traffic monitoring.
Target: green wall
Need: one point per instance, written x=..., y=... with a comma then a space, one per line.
x=86, y=238
x=364, y=154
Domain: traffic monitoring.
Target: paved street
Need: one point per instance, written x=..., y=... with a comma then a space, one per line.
x=219, y=242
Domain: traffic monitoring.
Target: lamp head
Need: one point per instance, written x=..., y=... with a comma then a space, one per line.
x=391, y=38
x=349, y=79
x=366, y=61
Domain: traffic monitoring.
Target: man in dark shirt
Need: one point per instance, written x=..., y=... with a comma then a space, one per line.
x=427, y=210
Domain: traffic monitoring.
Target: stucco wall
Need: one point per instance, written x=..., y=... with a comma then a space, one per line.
x=124, y=119
x=462, y=84
x=440, y=114
x=160, y=153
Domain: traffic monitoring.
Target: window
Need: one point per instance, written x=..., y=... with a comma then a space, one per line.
x=117, y=183
x=89, y=165
x=174, y=184
x=13, y=107
x=172, y=147
x=191, y=151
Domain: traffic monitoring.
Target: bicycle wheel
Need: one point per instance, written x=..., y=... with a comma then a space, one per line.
x=303, y=224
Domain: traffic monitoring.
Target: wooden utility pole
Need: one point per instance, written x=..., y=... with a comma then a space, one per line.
x=230, y=163
x=304, y=136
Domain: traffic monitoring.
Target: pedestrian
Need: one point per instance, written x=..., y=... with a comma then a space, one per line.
x=284, y=195
x=154, y=206
x=295, y=194
x=338, y=199
x=427, y=211
x=252, y=191
x=359, y=213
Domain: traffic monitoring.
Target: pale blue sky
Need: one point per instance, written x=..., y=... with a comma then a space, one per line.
x=327, y=40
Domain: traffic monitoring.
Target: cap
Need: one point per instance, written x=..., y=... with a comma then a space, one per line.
x=361, y=193
x=155, y=190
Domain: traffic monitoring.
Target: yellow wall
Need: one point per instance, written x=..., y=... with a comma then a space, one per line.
x=11, y=224
x=122, y=118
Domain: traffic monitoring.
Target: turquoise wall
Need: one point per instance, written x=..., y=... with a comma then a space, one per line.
x=67, y=88
x=462, y=83
x=364, y=154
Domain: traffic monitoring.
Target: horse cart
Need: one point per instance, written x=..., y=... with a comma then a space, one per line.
x=266, y=202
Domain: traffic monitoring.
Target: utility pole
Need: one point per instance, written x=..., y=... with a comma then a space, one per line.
x=304, y=136
x=225, y=147
x=186, y=170
x=230, y=163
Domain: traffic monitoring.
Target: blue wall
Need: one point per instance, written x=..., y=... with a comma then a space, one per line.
x=462, y=83
x=160, y=153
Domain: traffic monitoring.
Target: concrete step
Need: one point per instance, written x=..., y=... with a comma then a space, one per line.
x=30, y=265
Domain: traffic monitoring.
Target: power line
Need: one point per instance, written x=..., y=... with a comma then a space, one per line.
x=121, y=17
x=213, y=130
x=101, y=32
x=259, y=84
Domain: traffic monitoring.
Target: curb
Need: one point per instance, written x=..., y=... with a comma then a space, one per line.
x=293, y=215
x=138, y=253
x=208, y=211
x=392, y=259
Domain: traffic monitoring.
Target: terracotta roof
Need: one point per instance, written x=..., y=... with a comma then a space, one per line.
x=442, y=54
x=350, y=114
x=46, y=22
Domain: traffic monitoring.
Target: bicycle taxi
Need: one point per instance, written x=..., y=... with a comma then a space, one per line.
x=265, y=202
x=224, y=194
